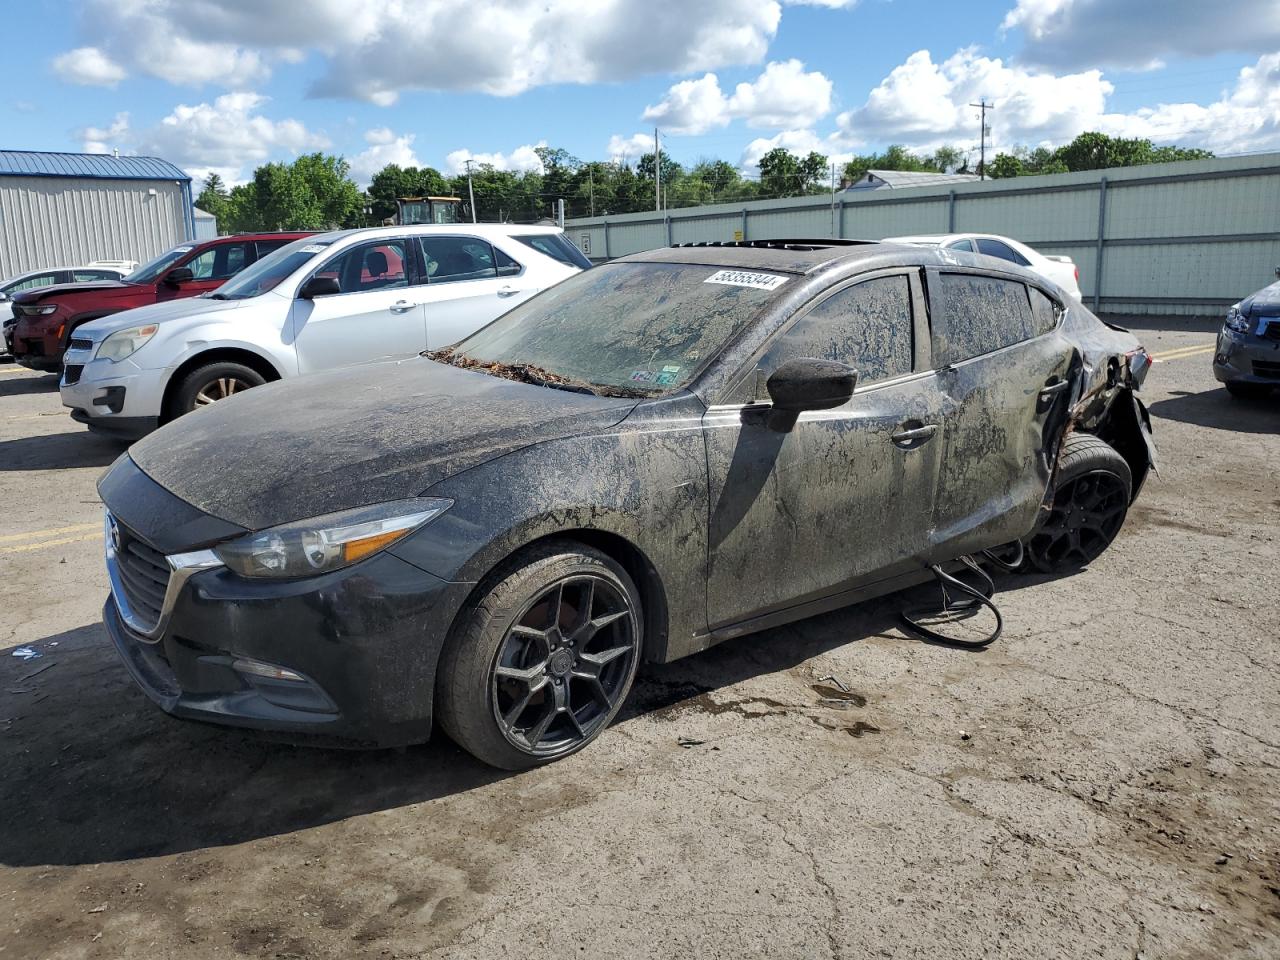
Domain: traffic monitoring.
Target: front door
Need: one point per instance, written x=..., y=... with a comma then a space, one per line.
x=377, y=315
x=210, y=269
x=1005, y=373
x=840, y=497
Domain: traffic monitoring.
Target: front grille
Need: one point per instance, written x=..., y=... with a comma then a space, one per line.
x=1272, y=329
x=34, y=348
x=1265, y=368
x=71, y=373
x=79, y=343
x=144, y=575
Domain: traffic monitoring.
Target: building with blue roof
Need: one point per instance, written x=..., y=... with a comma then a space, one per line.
x=60, y=208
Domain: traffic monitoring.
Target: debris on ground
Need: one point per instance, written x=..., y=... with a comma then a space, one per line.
x=39, y=670
x=836, y=680
x=25, y=653
x=687, y=742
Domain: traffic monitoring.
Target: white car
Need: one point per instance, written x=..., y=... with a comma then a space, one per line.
x=325, y=301
x=98, y=270
x=1061, y=270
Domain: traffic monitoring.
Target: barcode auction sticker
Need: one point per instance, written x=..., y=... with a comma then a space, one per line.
x=746, y=278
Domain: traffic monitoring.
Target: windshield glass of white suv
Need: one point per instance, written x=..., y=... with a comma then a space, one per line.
x=271, y=270
x=631, y=329
x=150, y=271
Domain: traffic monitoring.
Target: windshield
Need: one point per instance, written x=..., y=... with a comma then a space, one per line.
x=630, y=329
x=150, y=271
x=271, y=270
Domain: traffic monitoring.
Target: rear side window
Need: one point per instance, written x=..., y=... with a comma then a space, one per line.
x=1044, y=311
x=31, y=283
x=978, y=314
x=555, y=246
x=453, y=259
x=997, y=248
x=868, y=326
x=82, y=276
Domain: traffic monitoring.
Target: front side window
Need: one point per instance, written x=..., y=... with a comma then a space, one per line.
x=632, y=329
x=451, y=259
x=867, y=326
x=273, y=269
x=978, y=315
x=369, y=266
x=998, y=248
x=151, y=271
x=219, y=263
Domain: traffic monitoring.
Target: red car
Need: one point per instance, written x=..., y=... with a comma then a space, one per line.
x=47, y=315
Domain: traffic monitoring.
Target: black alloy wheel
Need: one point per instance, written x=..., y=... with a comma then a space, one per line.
x=1087, y=514
x=563, y=666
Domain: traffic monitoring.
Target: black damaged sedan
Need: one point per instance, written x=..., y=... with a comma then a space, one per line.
x=664, y=452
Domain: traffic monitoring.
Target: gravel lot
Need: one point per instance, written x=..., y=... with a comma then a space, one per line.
x=1102, y=782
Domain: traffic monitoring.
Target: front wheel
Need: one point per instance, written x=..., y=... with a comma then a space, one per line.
x=1090, y=500
x=542, y=662
x=214, y=382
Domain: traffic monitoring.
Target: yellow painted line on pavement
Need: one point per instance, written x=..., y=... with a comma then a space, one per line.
x=1183, y=353
x=34, y=373
x=26, y=547
x=74, y=528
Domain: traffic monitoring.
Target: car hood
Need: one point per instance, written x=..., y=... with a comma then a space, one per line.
x=154, y=313
x=1265, y=301
x=61, y=289
x=357, y=436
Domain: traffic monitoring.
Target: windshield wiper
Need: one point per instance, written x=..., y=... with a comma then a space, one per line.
x=217, y=296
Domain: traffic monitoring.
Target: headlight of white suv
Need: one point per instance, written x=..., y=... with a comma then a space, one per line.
x=125, y=343
x=309, y=547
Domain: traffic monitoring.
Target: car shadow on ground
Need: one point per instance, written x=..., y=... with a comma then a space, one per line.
x=93, y=772
x=17, y=384
x=1219, y=410
x=59, y=451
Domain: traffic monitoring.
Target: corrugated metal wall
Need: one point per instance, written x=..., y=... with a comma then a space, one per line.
x=55, y=221
x=1182, y=238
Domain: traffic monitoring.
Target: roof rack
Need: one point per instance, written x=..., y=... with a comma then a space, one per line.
x=781, y=243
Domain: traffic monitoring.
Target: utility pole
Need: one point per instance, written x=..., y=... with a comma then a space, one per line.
x=470, y=190
x=657, y=172
x=982, y=149
x=591, y=189
x=833, y=202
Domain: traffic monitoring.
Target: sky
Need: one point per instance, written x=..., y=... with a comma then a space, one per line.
x=225, y=85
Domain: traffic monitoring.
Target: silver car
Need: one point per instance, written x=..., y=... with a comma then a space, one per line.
x=1247, y=360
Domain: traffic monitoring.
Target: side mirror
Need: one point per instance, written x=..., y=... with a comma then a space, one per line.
x=513, y=269
x=4, y=297
x=179, y=275
x=811, y=384
x=1277, y=274
x=319, y=287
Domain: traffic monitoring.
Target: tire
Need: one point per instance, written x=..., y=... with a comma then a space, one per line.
x=1247, y=391
x=214, y=381
x=1090, y=500
x=515, y=685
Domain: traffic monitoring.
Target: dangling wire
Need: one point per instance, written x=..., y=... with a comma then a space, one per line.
x=957, y=608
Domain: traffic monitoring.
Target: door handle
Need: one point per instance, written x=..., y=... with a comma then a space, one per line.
x=1050, y=389
x=906, y=438
x=401, y=306
x=507, y=291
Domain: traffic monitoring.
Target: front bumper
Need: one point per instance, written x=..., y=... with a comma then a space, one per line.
x=364, y=642
x=1247, y=358
x=36, y=343
x=109, y=397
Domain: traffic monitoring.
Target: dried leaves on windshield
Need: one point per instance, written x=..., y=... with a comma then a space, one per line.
x=528, y=373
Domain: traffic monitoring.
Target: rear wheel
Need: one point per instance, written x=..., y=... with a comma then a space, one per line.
x=1090, y=501
x=540, y=665
x=214, y=382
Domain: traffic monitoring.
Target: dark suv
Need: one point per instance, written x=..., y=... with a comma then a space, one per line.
x=46, y=316
x=655, y=455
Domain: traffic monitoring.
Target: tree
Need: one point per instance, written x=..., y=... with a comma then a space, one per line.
x=1004, y=165
x=948, y=159
x=213, y=198
x=780, y=174
x=814, y=171
x=314, y=192
x=393, y=182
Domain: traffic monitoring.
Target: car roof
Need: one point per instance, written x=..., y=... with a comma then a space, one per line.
x=442, y=229
x=800, y=256
x=66, y=266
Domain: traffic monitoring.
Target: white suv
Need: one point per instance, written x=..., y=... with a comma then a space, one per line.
x=1061, y=270
x=325, y=301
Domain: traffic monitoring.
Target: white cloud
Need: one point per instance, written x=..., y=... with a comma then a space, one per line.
x=799, y=142
x=88, y=66
x=783, y=95
x=385, y=146
x=830, y=4
x=924, y=104
x=521, y=159
x=229, y=136
x=501, y=47
x=629, y=149
x=1136, y=33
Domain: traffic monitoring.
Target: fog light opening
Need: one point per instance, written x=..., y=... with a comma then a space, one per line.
x=258, y=668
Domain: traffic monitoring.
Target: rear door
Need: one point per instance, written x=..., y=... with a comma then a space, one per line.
x=842, y=497
x=1004, y=376
x=467, y=283
x=377, y=314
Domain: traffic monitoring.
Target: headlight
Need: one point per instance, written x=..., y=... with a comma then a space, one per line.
x=308, y=547
x=125, y=343
x=1236, y=321
x=41, y=311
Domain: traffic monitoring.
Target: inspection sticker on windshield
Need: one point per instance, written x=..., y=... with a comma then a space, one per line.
x=746, y=278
